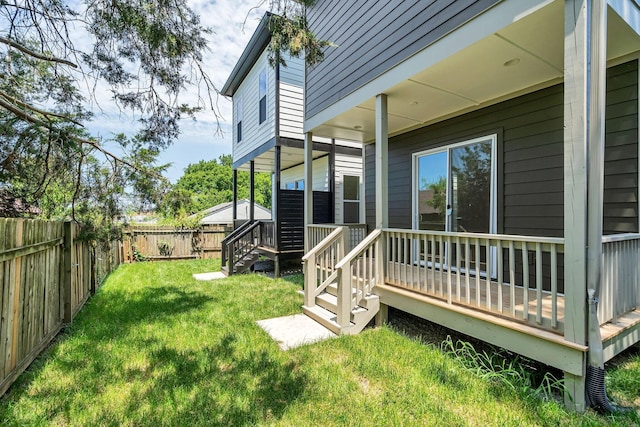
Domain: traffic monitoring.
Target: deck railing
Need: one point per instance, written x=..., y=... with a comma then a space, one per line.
x=317, y=232
x=517, y=277
x=357, y=274
x=240, y=244
x=320, y=262
x=620, y=290
x=268, y=234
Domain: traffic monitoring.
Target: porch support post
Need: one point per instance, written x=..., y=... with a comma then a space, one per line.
x=332, y=182
x=584, y=107
x=252, y=198
x=308, y=186
x=235, y=197
x=382, y=162
x=276, y=202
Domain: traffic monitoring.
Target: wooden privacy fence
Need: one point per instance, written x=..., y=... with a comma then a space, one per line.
x=46, y=276
x=166, y=243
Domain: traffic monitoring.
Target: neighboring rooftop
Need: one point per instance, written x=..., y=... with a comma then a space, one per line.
x=223, y=213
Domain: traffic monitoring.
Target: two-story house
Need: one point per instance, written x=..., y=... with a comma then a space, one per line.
x=501, y=172
x=267, y=137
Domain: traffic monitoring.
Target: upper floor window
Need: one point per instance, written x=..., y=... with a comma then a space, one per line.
x=262, y=96
x=239, y=120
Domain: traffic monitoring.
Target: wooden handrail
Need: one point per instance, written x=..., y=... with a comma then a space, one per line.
x=310, y=260
x=620, y=237
x=362, y=246
x=237, y=231
x=345, y=276
x=559, y=241
x=335, y=234
x=228, y=243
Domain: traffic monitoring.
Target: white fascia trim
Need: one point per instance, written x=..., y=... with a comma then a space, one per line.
x=629, y=10
x=490, y=21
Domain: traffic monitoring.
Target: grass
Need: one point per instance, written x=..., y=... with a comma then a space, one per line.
x=155, y=347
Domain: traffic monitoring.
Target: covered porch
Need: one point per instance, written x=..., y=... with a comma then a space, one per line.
x=530, y=293
x=282, y=238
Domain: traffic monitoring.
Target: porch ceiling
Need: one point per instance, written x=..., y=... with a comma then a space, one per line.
x=519, y=58
x=289, y=157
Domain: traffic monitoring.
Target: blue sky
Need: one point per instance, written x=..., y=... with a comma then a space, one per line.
x=233, y=23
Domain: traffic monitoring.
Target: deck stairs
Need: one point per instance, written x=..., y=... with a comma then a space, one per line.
x=239, y=249
x=339, y=283
x=242, y=265
x=326, y=308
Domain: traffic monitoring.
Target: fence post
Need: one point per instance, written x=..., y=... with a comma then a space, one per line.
x=202, y=242
x=68, y=273
x=93, y=284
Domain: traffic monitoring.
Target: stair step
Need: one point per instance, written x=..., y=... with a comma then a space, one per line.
x=332, y=290
x=328, y=302
x=324, y=317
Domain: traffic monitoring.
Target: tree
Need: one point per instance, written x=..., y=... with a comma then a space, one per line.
x=209, y=183
x=146, y=52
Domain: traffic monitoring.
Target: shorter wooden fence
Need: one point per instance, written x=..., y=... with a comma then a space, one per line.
x=165, y=243
x=46, y=276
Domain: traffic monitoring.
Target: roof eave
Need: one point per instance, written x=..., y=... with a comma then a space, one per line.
x=258, y=42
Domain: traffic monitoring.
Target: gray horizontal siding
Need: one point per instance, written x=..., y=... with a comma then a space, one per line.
x=293, y=72
x=530, y=159
x=370, y=185
x=372, y=36
x=621, y=150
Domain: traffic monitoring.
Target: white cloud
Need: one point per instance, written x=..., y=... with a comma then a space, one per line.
x=232, y=22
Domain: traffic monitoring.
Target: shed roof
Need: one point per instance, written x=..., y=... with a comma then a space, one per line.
x=223, y=213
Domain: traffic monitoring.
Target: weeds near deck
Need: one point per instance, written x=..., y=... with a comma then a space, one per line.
x=505, y=368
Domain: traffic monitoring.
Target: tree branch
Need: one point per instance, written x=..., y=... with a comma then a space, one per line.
x=29, y=118
x=35, y=54
x=37, y=110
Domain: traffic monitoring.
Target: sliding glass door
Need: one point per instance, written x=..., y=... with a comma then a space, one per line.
x=454, y=188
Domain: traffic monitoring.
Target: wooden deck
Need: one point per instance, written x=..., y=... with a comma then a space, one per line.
x=616, y=336
x=534, y=342
x=505, y=290
x=535, y=307
x=619, y=335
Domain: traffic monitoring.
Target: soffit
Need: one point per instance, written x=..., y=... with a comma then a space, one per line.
x=479, y=75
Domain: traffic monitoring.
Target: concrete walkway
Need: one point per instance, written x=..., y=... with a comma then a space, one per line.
x=294, y=331
x=209, y=276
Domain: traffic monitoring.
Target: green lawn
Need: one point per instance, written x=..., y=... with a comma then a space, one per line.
x=155, y=347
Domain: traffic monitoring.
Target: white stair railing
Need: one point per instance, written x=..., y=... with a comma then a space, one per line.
x=319, y=264
x=357, y=273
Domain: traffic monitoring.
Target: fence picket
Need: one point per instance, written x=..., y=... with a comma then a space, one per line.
x=31, y=292
x=161, y=242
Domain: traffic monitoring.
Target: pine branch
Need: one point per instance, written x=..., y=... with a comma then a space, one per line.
x=35, y=54
x=22, y=104
x=34, y=120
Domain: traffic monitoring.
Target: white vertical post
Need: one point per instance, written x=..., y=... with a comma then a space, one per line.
x=308, y=187
x=595, y=155
x=575, y=185
x=584, y=101
x=382, y=162
x=362, y=215
x=310, y=281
